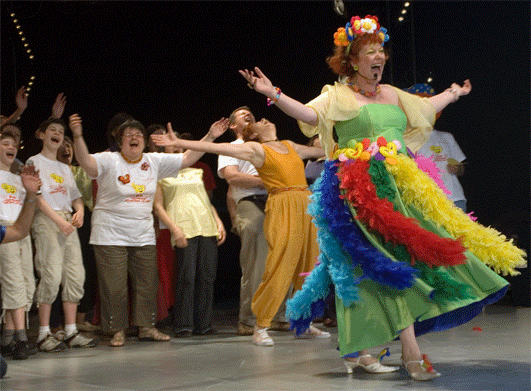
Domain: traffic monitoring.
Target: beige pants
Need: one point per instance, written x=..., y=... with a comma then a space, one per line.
x=253, y=253
x=16, y=274
x=115, y=264
x=58, y=261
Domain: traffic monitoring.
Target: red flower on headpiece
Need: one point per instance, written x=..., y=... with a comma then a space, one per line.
x=355, y=22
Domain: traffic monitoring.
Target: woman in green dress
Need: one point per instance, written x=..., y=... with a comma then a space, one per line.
x=404, y=261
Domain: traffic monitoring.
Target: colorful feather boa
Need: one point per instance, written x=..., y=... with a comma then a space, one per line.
x=486, y=243
x=339, y=257
x=379, y=215
x=349, y=239
x=427, y=165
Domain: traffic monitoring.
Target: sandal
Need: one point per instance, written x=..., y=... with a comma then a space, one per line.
x=118, y=339
x=151, y=334
x=426, y=369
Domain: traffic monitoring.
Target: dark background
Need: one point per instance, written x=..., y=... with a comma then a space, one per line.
x=177, y=61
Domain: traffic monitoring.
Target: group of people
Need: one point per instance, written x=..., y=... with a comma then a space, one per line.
x=402, y=259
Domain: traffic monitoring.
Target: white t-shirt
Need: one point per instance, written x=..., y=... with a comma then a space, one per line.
x=59, y=187
x=244, y=167
x=124, y=201
x=12, y=194
x=442, y=146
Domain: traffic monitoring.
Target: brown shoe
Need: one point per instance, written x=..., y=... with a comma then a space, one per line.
x=244, y=329
x=279, y=326
x=151, y=334
x=118, y=339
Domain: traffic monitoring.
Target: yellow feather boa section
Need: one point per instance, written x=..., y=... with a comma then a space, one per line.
x=489, y=245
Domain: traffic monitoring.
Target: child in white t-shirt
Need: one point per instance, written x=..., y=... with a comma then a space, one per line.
x=16, y=259
x=58, y=258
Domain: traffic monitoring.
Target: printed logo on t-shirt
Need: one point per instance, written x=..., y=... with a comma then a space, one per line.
x=138, y=188
x=436, y=148
x=57, y=178
x=124, y=179
x=438, y=157
x=9, y=189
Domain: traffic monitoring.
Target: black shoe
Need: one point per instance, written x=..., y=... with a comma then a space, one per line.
x=3, y=367
x=32, y=348
x=20, y=351
x=183, y=333
x=7, y=350
x=207, y=331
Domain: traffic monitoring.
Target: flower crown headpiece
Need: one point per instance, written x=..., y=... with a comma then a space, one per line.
x=357, y=26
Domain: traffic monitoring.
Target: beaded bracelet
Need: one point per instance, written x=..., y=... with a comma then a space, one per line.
x=270, y=101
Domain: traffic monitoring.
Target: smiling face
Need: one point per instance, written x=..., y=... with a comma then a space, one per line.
x=263, y=130
x=132, y=144
x=8, y=151
x=371, y=61
x=53, y=137
x=240, y=119
x=65, y=154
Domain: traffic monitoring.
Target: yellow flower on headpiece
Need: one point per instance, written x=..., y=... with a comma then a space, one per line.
x=355, y=21
x=340, y=37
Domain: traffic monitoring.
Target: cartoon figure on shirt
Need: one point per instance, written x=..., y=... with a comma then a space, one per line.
x=138, y=188
x=124, y=179
x=437, y=149
x=9, y=189
x=57, y=178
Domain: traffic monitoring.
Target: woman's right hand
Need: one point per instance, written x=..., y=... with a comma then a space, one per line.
x=179, y=238
x=75, y=125
x=259, y=82
x=65, y=227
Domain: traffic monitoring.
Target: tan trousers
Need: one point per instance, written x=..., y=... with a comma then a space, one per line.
x=253, y=253
x=293, y=249
x=58, y=261
x=16, y=274
x=115, y=264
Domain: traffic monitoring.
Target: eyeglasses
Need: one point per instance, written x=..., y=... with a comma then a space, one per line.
x=131, y=135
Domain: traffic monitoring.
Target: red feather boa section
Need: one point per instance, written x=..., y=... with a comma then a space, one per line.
x=379, y=215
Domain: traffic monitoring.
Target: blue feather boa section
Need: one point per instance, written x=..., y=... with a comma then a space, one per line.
x=346, y=258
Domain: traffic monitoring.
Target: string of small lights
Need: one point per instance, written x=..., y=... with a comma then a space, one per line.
x=27, y=49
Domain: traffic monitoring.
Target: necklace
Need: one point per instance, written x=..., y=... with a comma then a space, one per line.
x=131, y=161
x=268, y=141
x=362, y=92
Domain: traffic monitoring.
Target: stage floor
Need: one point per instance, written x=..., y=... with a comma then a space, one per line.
x=494, y=357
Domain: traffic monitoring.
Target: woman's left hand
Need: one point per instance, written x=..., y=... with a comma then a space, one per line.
x=464, y=90
x=222, y=233
x=218, y=128
x=77, y=219
x=168, y=139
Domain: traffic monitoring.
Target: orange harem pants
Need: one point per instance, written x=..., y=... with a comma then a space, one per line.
x=291, y=238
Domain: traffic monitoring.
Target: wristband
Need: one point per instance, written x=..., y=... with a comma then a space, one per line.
x=270, y=101
x=454, y=93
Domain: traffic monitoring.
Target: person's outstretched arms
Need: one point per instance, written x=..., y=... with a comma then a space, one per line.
x=83, y=157
x=58, y=107
x=450, y=95
x=250, y=151
x=295, y=109
x=21, y=100
x=216, y=129
x=306, y=152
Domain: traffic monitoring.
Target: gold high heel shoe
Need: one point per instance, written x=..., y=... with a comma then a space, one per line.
x=376, y=367
x=427, y=372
